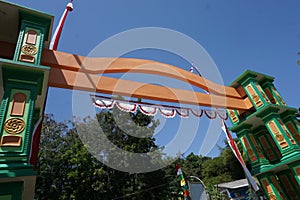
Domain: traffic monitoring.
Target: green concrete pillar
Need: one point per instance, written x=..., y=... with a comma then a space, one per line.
x=25, y=84
x=279, y=132
x=255, y=93
x=271, y=186
x=271, y=92
x=295, y=169
x=267, y=144
x=291, y=122
x=289, y=182
x=274, y=128
x=254, y=152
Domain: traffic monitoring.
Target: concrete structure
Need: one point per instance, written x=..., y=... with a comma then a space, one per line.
x=266, y=127
x=270, y=134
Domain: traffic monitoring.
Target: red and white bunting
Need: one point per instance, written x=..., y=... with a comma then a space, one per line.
x=101, y=103
x=148, y=110
x=167, y=112
x=127, y=107
x=153, y=109
x=211, y=114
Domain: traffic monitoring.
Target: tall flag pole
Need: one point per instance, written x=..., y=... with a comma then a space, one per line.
x=183, y=184
x=233, y=146
x=58, y=30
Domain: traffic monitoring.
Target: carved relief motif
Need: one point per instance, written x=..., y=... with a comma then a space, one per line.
x=278, y=136
x=294, y=132
x=270, y=96
x=254, y=96
x=287, y=132
x=233, y=116
x=279, y=97
x=257, y=148
x=31, y=37
x=18, y=104
x=249, y=149
x=275, y=182
x=272, y=197
x=14, y=125
x=262, y=93
x=268, y=189
x=29, y=49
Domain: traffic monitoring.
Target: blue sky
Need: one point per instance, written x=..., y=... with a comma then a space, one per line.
x=263, y=36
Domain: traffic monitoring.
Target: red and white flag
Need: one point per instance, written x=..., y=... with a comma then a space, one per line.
x=238, y=155
x=58, y=30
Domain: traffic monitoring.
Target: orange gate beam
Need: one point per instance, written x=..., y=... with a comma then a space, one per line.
x=71, y=71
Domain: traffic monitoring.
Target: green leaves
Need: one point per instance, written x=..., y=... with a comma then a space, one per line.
x=67, y=170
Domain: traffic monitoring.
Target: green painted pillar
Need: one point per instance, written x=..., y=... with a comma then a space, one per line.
x=267, y=144
x=279, y=132
x=254, y=152
x=290, y=186
x=292, y=124
x=271, y=129
x=271, y=91
x=295, y=169
x=24, y=92
x=271, y=186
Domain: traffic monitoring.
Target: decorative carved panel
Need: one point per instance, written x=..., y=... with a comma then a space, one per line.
x=254, y=96
x=14, y=125
x=31, y=37
x=11, y=140
x=18, y=104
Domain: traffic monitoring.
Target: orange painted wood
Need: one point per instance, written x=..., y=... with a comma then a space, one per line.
x=74, y=62
x=65, y=67
x=81, y=81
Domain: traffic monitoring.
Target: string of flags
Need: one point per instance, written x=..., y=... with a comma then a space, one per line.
x=180, y=177
x=152, y=109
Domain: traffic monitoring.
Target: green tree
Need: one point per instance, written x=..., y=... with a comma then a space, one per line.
x=67, y=170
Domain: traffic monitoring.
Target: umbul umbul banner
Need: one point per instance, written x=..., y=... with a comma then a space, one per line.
x=232, y=143
x=183, y=184
x=58, y=30
x=238, y=155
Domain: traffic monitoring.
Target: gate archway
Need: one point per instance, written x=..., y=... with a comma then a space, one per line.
x=266, y=127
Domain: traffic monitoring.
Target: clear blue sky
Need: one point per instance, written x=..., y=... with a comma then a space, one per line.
x=263, y=36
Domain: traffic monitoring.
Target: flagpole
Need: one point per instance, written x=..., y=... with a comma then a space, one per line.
x=58, y=30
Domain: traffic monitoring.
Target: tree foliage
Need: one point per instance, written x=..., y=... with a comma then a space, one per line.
x=67, y=169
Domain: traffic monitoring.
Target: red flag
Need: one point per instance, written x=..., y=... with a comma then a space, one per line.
x=35, y=141
x=58, y=30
